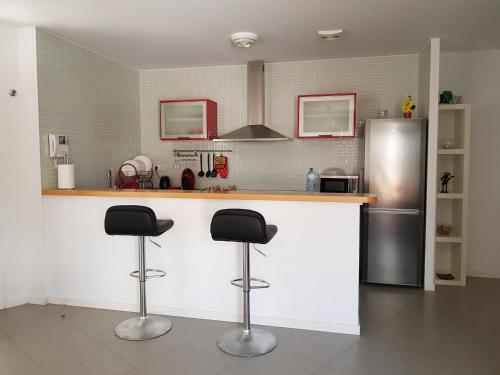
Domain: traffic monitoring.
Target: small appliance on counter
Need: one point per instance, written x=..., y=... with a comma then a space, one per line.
x=334, y=180
x=187, y=179
x=164, y=182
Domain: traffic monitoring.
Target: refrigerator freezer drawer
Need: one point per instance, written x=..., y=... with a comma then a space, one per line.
x=393, y=247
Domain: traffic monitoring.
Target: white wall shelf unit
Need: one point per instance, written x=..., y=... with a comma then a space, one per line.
x=449, y=239
x=450, y=196
x=452, y=207
x=451, y=151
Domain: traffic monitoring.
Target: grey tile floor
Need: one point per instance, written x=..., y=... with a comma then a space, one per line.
x=404, y=331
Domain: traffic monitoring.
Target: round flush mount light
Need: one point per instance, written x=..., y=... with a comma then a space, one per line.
x=329, y=35
x=244, y=39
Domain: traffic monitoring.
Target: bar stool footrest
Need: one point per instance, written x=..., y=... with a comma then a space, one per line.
x=261, y=284
x=151, y=273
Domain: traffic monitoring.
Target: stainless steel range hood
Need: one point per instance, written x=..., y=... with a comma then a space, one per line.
x=255, y=131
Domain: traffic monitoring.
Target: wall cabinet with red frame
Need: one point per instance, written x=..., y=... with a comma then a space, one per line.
x=193, y=119
x=326, y=116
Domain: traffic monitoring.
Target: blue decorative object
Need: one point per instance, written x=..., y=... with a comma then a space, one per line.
x=446, y=97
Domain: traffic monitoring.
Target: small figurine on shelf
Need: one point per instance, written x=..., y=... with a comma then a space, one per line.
x=408, y=107
x=446, y=97
x=444, y=230
x=444, y=181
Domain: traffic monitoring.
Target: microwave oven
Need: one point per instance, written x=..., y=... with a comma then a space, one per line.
x=339, y=184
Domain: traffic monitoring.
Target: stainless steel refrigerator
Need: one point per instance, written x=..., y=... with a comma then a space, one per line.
x=393, y=229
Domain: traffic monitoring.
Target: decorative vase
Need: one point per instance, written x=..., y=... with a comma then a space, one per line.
x=407, y=115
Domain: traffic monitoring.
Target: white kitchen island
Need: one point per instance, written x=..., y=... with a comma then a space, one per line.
x=312, y=263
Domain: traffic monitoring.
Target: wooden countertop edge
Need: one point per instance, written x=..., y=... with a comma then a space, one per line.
x=229, y=195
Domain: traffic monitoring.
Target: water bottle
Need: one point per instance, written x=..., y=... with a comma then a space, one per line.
x=311, y=181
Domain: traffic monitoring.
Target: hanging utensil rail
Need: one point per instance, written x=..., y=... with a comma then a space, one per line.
x=194, y=151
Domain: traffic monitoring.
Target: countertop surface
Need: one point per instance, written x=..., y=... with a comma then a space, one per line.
x=270, y=195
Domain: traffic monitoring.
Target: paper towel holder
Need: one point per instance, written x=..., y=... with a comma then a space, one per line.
x=66, y=176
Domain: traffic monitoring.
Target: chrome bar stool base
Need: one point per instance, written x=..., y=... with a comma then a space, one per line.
x=140, y=329
x=239, y=343
x=140, y=222
x=245, y=226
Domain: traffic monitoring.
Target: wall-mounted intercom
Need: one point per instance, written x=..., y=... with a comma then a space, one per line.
x=58, y=146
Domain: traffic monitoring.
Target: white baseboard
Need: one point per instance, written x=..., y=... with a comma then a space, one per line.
x=431, y=287
x=489, y=275
x=37, y=300
x=13, y=302
x=214, y=315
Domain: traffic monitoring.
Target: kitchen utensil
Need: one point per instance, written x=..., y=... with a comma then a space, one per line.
x=208, y=174
x=148, y=163
x=187, y=179
x=109, y=178
x=201, y=173
x=214, y=171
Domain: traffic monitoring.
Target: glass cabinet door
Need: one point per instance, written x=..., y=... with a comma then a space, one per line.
x=183, y=119
x=329, y=115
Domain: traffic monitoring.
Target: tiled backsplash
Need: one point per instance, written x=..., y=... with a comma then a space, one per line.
x=93, y=100
x=111, y=112
x=380, y=82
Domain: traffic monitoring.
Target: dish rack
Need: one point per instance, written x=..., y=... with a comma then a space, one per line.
x=137, y=180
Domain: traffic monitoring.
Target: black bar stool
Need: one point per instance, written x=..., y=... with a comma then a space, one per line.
x=247, y=226
x=139, y=221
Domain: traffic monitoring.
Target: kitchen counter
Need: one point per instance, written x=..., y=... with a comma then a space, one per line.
x=259, y=195
x=312, y=263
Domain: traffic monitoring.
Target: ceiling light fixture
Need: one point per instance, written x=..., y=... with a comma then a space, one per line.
x=244, y=39
x=329, y=35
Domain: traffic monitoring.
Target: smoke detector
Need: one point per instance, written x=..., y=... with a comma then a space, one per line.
x=329, y=35
x=244, y=39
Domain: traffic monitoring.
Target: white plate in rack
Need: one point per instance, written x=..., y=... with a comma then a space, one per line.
x=129, y=167
x=148, y=163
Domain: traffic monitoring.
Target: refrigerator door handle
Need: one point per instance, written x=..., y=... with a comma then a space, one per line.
x=394, y=211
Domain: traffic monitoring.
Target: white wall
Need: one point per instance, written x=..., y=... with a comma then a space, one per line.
x=21, y=207
x=93, y=100
x=476, y=76
x=428, y=86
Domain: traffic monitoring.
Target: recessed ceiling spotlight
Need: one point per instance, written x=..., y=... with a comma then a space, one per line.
x=329, y=35
x=244, y=39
